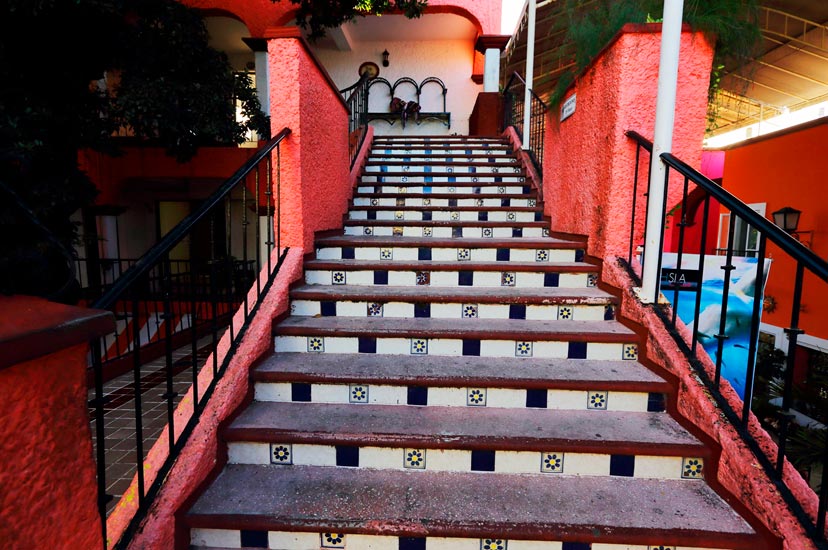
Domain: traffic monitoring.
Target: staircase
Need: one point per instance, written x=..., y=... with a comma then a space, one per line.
x=452, y=377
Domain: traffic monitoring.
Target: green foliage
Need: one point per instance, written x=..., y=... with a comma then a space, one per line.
x=318, y=15
x=590, y=24
x=165, y=85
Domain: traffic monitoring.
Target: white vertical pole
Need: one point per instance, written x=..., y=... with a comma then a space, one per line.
x=531, y=8
x=662, y=143
x=491, y=70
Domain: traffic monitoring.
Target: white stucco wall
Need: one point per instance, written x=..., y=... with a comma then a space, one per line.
x=449, y=60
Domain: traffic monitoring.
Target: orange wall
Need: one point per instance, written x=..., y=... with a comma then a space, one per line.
x=788, y=169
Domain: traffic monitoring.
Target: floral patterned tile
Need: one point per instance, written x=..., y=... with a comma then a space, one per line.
x=316, y=344
x=423, y=278
x=358, y=393
x=386, y=253
x=630, y=352
x=281, y=453
x=565, y=312
x=463, y=254
x=523, y=349
x=541, y=255
x=493, y=544
x=552, y=463
x=507, y=278
x=414, y=459
x=470, y=311
x=419, y=346
x=374, y=309
x=597, y=400
x=692, y=468
x=332, y=540
x=476, y=397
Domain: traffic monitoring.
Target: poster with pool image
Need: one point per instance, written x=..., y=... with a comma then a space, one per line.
x=741, y=295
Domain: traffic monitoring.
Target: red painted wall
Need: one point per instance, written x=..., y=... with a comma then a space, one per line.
x=788, y=169
x=588, y=161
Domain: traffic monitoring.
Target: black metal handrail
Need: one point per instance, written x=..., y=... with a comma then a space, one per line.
x=513, y=115
x=192, y=310
x=356, y=100
x=777, y=420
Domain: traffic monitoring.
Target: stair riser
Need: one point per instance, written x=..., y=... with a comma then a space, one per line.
x=552, y=462
x=469, y=231
x=494, y=202
x=439, y=150
x=443, y=182
x=487, y=279
x=408, y=310
x=479, y=168
x=225, y=539
x=445, y=215
x=449, y=160
x=504, y=398
x=453, y=347
x=401, y=253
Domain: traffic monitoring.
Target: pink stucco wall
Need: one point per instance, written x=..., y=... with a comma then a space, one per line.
x=314, y=178
x=737, y=471
x=589, y=162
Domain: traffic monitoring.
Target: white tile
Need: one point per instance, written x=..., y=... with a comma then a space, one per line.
x=551, y=349
x=351, y=309
x=516, y=462
x=279, y=540
x=318, y=277
x=660, y=467
x=406, y=254
x=506, y=398
x=331, y=253
x=566, y=399
x=401, y=278
x=384, y=458
x=561, y=255
x=341, y=345
x=366, y=253
x=536, y=545
x=487, y=278
x=497, y=348
x=372, y=542
x=588, y=313
x=314, y=455
x=330, y=393
x=443, y=254
x=273, y=391
x=290, y=344
x=627, y=401
x=388, y=395
x=449, y=460
x=597, y=350
x=360, y=278
x=573, y=280
x=393, y=346
x=220, y=538
x=241, y=452
x=447, y=397
x=444, y=278
x=304, y=308
x=445, y=346
x=493, y=311
x=541, y=313
x=529, y=279
x=605, y=546
x=447, y=311
x=587, y=464
x=522, y=255
x=398, y=309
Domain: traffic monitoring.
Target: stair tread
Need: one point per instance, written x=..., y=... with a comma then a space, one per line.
x=433, y=370
x=414, y=503
x=428, y=265
x=512, y=295
x=494, y=329
x=437, y=242
x=446, y=223
x=435, y=427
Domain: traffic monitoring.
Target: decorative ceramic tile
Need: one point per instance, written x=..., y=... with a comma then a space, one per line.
x=368, y=231
x=398, y=215
x=630, y=352
x=510, y=216
x=426, y=202
x=400, y=201
x=292, y=309
x=450, y=169
x=452, y=189
x=523, y=349
x=476, y=397
x=533, y=202
x=545, y=232
x=609, y=313
x=398, y=232
x=478, y=202
x=386, y=253
x=541, y=255
x=281, y=453
x=374, y=202
x=338, y=278
x=552, y=463
x=414, y=459
x=507, y=278
x=332, y=540
x=463, y=254
x=565, y=312
x=455, y=215
x=427, y=231
x=521, y=179
x=487, y=232
x=495, y=169
x=419, y=346
x=374, y=309
x=423, y=278
x=661, y=547
x=692, y=468
x=358, y=393
x=597, y=400
x=501, y=189
x=592, y=279
x=493, y=544
x=406, y=168
x=403, y=189
x=475, y=179
x=316, y=344
x=470, y=311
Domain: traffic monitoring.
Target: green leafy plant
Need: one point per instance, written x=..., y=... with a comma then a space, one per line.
x=318, y=15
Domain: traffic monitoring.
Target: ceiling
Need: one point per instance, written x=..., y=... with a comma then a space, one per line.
x=788, y=71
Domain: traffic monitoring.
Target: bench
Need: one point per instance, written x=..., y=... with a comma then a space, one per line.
x=417, y=116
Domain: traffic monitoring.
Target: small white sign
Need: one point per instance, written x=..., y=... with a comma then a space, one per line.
x=568, y=107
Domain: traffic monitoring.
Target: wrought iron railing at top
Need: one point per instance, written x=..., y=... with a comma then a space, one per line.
x=513, y=115
x=243, y=216
x=356, y=99
x=768, y=392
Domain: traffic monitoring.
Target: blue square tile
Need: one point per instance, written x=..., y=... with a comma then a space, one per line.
x=579, y=255
x=498, y=179
x=254, y=539
x=551, y=279
x=465, y=278
x=328, y=309
x=348, y=253
x=472, y=169
x=527, y=189
x=371, y=214
x=367, y=345
x=417, y=395
x=428, y=179
x=452, y=202
x=452, y=179
x=471, y=347
x=477, y=190
x=538, y=216
x=426, y=216
x=422, y=310
x=536, y=399
x=622, y=465
x=482, y=216
x=300, y=391
x=517, y=311
x=505, y=202
x=380, y=277
x=347, y=455
x=577, y=350
x=517, y=232
x=424, y=253
x=412, y=543
x=426, y=168
x=609, y=313
x=503, y=254
x=483, y=461
x=457, y=232
x=655, y=402
x=576, y=546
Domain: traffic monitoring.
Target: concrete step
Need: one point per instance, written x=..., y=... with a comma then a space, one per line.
x=500, y=158
x=443, y=179
x=441, y=168
x=436, y=213
x=524, y=243
x=446, y=199
x=440, y=229
x=382, y=505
